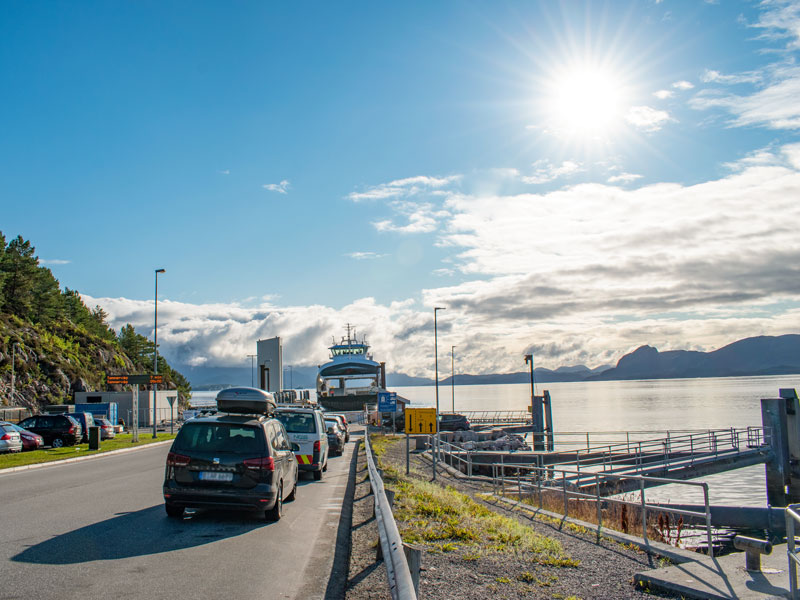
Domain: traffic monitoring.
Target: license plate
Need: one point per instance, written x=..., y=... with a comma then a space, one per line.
x=215, y=476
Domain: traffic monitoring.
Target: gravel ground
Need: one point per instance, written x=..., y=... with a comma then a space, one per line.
x=605, y=571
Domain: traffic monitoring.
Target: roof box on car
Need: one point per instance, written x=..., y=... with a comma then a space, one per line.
x=244, y=400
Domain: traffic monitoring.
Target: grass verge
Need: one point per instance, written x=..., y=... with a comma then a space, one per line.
x=445, y=520
x=33, y=457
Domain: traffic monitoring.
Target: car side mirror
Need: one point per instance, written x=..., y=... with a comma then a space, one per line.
x=295, y=447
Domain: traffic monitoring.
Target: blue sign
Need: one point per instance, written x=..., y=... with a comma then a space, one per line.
x=387, y=402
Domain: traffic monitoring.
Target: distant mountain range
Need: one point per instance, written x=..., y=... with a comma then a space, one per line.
x=762, y=355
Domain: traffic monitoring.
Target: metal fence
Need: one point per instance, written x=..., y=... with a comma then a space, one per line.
x=535, y=481
x=401, y=585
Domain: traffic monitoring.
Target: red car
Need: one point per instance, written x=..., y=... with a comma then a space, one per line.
x=30, y=440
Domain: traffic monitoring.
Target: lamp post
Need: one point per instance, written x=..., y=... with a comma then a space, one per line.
x=436, y=366
x=155, y=352
x=453, y=377
x=252, y=358
x=534, y=420
x=291, y=376
x=13, y=373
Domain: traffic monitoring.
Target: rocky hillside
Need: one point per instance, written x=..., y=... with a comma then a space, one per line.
x=54, y=361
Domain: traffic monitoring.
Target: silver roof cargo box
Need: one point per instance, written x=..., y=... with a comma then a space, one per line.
x=245, y=400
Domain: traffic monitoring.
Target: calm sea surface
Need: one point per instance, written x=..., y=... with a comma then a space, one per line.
x=643, y=405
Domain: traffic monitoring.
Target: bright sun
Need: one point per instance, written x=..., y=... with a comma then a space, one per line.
x=584, y=101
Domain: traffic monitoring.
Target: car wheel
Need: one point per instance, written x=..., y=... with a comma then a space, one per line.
x=58, y=442
x=317, y=475
x=274, y=513
x=175, y=512
x=293, y=493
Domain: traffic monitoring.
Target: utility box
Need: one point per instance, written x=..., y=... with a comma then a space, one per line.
x=94, y=438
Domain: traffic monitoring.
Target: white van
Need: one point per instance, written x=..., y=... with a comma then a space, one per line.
x=306, y=428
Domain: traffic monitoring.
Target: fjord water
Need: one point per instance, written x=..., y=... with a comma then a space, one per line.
x=640, y=405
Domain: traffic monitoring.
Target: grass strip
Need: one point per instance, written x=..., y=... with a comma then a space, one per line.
x=444, y=519
x=34, y=457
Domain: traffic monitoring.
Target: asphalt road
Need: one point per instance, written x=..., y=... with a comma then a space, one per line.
x=97, y=529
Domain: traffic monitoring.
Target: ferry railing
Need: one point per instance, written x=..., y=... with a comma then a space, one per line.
x=792, y=518
x=567, y=482
x=401, y=585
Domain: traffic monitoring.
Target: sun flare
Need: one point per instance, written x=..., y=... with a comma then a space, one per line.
x=584, y=101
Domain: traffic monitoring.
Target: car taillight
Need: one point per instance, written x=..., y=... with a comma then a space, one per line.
x=5, y=437
x=177, y=460
x=265, y=463
x=317, y=446
x=71, y=429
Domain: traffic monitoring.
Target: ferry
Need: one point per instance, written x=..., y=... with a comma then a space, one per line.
x=351, y=379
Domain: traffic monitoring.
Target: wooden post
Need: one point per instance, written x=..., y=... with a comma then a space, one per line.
x=414, y=559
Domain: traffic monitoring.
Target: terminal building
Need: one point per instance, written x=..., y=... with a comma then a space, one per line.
x=124, y=400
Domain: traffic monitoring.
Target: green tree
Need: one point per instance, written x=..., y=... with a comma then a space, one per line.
x=20, y=266
x=2, y=269
x=45, y=297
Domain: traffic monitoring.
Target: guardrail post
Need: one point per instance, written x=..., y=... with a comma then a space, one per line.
x=708, y=521
x=519, y=487
x=414, y=559
x=566, y=498
x=597, y=499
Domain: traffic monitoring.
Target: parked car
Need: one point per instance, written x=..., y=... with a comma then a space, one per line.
x=86, y=420
x=57, y=430
x=30, y=440
x=342, y=420
x=307, y=429
x=10, y=440
x=335, y=437
x=242, y=459
x=107, y=431
x=453, y=422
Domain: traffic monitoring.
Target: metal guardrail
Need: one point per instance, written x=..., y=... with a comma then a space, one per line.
x=401, y=585
x=792, y=517
x=544, y=479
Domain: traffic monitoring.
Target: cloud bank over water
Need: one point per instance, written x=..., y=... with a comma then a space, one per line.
x=581, y=274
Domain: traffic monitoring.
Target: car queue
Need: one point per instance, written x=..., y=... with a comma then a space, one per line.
x=249, y=455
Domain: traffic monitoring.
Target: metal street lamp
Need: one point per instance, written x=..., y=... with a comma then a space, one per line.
x=252, y=358
x=155, y=352
x=453, y=376
x=436, y=363
x=291, y=376
x=534, y=416
x=13, y=364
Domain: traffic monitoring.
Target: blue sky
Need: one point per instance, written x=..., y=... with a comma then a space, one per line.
x=575, y=178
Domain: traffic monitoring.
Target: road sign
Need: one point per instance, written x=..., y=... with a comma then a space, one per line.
x=421, y=420
x=387, y=402
x=134, y=379
x=171, y=400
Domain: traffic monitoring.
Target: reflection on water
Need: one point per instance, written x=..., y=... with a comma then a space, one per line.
x=644, y=405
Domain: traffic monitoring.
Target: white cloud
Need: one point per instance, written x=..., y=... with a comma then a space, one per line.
x=420, y=218
x=683, y=85
x=646, y=118
x=54, y=261
x=746, y=77
x=225, y=172
x=365, y=255
x=545, y=171
x=281, y=187
x=775, y=106
x=401, y=188
x=623, y=178
x=663, y=94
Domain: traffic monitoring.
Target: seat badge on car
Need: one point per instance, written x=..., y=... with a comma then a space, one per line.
x=215, y=461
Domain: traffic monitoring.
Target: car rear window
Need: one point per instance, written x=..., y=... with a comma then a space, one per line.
x=298, y=422
x=219, y=437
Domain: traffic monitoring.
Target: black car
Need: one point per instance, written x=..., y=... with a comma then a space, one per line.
x=57, y=430
x=239, y=459
x=453, y=422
